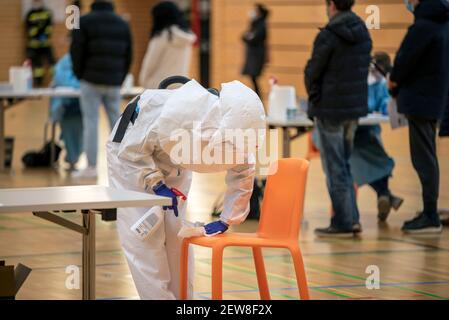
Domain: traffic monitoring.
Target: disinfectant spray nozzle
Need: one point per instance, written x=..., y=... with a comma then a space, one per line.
x=179, y=194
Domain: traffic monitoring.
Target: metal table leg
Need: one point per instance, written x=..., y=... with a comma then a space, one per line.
x=87, y=229
x=285, y=142
x=89, y=255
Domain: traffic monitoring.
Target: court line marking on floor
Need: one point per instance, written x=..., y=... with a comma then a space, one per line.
x=321, y=288
x=343, y=274
x=281, y=278
x=310, y=266
x=392, y=284
x=253, y=288
x=416, y=243
x=341, y=253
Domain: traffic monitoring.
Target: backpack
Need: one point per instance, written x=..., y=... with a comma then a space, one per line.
x=42, y=158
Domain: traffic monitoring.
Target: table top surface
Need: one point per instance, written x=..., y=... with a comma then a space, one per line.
x=60, y=92
x=304, y=121
x=74, y=198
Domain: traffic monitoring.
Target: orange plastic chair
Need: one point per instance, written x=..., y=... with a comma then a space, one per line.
x=279, y=227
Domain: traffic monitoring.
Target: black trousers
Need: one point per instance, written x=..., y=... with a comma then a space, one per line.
x=38, y=57
x=422, y=134
x=254, y=79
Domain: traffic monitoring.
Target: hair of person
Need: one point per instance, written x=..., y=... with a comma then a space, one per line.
x=77, y=3
x=342, y=5
x=165, y=15
x=382, y=60
x=263, y=11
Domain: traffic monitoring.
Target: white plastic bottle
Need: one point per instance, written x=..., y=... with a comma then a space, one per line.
x=146, y=226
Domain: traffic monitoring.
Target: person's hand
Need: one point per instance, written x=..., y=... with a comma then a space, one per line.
x=393, y=88
x=162, y=190
x=214, y=228
x=392, y=85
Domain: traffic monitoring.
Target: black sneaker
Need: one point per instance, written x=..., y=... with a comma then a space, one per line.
x=357, y=228
x=422, y=225
x=331, y=232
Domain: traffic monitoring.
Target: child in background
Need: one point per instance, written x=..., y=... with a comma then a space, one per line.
x=370, y=163
x=67, y=111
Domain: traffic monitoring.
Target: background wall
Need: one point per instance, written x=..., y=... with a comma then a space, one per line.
x=12, y=51
x=293, y=26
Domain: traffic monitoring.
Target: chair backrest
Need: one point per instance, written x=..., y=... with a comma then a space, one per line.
x=283, y=201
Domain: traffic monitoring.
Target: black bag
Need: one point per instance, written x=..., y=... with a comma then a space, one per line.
x=42, y=158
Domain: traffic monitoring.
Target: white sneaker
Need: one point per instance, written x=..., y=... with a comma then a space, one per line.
x=88, y=173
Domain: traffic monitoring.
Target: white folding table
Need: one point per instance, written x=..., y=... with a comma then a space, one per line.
x=46, y=203
x=9, y=98
x=302, y=124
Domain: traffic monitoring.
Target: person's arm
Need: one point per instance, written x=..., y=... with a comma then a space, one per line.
x=240, y=183
x=444, y=128
x=384, y=99
x=77, y=51
x=151, y=59
x=414, y=44
x=63, y=74
x=48, y=29
x=138, y=148
x=321, y=54
x=129, y=53
x=256, y=36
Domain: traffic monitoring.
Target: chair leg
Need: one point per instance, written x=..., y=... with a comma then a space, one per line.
x=261, y=274
x=300, y=273
x=184, y=269
x=217, y=273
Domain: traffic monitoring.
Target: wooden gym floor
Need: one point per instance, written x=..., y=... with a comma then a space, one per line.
x=410, y=267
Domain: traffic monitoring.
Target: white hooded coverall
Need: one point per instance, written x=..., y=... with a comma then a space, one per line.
x=142, y=159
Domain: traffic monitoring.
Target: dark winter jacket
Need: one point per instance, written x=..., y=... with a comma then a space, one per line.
x=336, y=75
x=39, y=26
x=256, y=48
x=421, y=68
x=102, y=48
x=444, y=129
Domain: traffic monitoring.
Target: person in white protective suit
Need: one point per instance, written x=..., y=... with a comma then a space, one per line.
x=145, y=154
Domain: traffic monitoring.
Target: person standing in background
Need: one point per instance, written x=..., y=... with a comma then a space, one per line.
x=39, y=28
x=67, y=111
x=101, y=52
x=370, y=163
x=170, y=48
x=336, y=82
x=255, y=40
x=444, y=132
x=420, y=81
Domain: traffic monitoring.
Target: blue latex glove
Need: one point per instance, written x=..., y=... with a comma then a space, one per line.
x=215, y=228
x=162, y=190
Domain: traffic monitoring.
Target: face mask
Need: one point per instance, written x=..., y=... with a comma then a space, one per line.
x=253, y=14
x=409, y=5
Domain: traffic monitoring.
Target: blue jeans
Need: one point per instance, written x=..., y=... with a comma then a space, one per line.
x=92, y=95
x=337, y=140
x=72, y=135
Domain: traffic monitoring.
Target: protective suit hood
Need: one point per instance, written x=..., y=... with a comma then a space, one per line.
x=198, y=129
